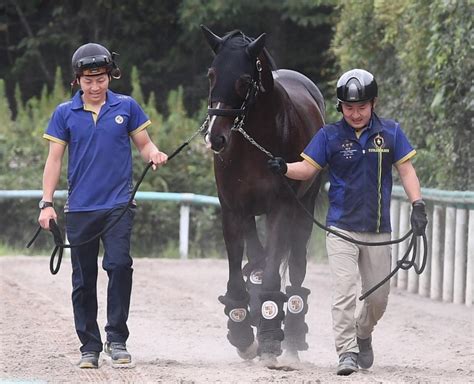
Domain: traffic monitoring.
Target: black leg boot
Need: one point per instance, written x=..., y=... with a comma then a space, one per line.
x=254, y=288
x=270, y=334
x=240, y=332
x=295, y=327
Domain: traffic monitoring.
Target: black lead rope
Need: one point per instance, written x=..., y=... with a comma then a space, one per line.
x=58, y=238
x=403, y=263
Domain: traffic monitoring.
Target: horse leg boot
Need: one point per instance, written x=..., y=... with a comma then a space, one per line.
x=270, y=334
x=240, y=333
x=295, y=328
x=254, y=288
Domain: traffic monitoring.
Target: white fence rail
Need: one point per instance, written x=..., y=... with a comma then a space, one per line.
x=449, y=272
x=184, y=199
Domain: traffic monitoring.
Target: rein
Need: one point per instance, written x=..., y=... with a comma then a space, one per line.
x=54, y=229
x=403, y=263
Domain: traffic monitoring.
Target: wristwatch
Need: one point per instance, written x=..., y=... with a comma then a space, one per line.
x=45, y=204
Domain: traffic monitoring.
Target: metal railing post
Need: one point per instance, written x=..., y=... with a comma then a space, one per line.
x=436, y=283
x=424, y=278
x=184, y=231
x=448, y=262
x=460, y=256
x=470, y=261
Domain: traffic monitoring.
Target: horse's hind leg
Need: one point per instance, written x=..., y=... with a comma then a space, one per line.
x=253, y=270
x=295, y=327
x=236, y=299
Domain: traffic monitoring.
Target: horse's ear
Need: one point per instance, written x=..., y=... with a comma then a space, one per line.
x=256, y=46
x=212, y=39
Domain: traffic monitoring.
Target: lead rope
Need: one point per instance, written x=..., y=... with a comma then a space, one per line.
x=54, y=229
x=403, y=263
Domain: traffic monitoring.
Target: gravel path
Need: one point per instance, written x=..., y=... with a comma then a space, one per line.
x=178, y=331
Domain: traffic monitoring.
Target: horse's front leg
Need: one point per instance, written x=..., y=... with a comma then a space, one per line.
x=295, y=326
x=269, y=332
x=236, y=299
x=253, y=270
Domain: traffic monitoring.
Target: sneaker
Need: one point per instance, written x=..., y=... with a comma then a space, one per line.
x=89, y=359
x=118, y=352
x=366, y=353
x=347, y=363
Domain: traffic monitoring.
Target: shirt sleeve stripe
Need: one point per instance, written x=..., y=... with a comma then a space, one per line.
x=140, y=128
x=54, y=139
x=406, y=157
x=311, y=161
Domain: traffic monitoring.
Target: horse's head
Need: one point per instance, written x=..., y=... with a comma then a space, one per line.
x=235, y=77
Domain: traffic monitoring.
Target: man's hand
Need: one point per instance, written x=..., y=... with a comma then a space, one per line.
x=158, y=158
x=47, y=214
x=278, y=165
x=418, y=218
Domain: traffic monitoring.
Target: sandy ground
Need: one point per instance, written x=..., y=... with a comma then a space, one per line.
x=178, y=331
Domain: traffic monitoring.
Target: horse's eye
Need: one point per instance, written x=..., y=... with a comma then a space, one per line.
x=242, y=85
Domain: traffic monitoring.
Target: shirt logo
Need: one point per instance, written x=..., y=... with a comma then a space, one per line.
x=347, y=151
x=379, y=141
x=379, y=144
x=119, y=119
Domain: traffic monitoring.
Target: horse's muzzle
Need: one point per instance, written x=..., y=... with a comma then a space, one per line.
x=218, y=142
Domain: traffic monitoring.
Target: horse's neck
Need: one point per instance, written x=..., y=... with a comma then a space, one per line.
x=267, y=121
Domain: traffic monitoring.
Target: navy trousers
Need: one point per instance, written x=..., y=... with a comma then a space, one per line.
x=81, y=226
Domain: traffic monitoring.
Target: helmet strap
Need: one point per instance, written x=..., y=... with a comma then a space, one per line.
x=73, y=84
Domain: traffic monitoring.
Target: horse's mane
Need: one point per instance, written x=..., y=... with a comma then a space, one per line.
x=232, y=40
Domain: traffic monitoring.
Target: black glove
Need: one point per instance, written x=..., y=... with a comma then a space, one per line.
x=418, y=218
x=278, y=165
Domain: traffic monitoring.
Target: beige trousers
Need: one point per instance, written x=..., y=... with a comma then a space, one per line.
x=347, y=261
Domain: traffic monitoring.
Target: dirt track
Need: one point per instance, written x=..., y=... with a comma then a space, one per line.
x=178, y=331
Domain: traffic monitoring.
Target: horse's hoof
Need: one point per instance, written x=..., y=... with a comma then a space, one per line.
x=269, y=360
x=290, y=357
x=250, y=353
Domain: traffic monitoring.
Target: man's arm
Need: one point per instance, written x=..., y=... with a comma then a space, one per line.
x=51, y=174
x=148, y=149
x=411, y=184
x=301, y=170
x=409, y=179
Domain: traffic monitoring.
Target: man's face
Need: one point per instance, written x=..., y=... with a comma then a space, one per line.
x=357, y=114
x=94, y=88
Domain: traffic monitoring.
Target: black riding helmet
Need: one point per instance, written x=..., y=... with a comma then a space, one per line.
x=356, y=85
x=94, y=59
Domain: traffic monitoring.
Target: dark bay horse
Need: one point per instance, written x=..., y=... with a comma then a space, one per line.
x=256, y=112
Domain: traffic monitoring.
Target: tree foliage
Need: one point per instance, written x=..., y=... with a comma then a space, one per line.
x=161, y=38
x=420, y=52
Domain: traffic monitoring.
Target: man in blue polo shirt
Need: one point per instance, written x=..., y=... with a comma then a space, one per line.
x=359, y=151
x=96, y=126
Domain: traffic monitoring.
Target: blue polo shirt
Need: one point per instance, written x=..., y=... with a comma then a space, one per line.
x=360, y=171
x=100, y=155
